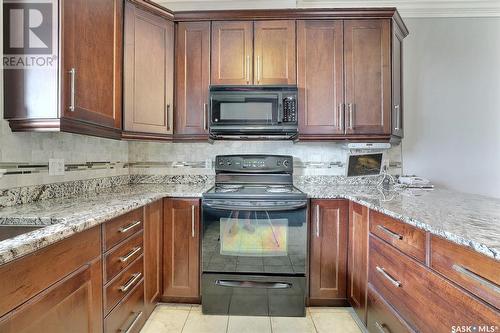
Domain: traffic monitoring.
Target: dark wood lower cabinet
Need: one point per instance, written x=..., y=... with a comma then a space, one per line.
x=129, y=316
x=381, y=317
x=181, y=258
x=358, y=258
x=427, y=301
x=328, y=252
x=71, y=305
x=153, y=222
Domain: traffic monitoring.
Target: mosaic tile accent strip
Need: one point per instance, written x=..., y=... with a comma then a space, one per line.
x=26, y=168
x=337, y=180
x=169, y=179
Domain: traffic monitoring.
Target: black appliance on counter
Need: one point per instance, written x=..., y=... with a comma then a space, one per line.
x=253, y=112
x=254, y=239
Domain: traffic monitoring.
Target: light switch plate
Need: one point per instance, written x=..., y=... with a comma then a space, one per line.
x=56, y=167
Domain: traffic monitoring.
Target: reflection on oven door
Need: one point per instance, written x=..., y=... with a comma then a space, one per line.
x=254, y=237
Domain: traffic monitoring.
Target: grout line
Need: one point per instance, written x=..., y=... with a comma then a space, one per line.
x=227, y=324
x=312, y=320
x=270, y=323
x=187, y=317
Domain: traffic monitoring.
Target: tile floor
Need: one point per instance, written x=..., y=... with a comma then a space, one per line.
x=177, y=318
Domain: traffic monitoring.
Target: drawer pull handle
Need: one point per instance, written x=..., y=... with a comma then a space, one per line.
x=381, y=327
x=473, y=276
x=134, y=322
x=390, y=232
x=382, y=271
x=135, y=277
x=129, y=227
x=127, y=257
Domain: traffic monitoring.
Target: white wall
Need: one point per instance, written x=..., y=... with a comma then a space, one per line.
x=452, y=102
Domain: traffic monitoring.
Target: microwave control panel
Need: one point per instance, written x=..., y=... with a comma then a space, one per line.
x=290, y=109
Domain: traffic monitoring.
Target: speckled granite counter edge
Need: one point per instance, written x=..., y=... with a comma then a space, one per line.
x=19, y=246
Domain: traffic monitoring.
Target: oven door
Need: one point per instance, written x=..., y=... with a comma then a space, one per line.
x=252, y=109
x=254, y=236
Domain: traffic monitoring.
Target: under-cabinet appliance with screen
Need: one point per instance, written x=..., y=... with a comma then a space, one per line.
x=253, y=112
x=254, y=239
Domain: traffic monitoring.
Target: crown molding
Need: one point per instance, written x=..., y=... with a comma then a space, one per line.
x=407, y=8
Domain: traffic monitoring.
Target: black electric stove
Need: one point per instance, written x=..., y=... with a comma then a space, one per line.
x=254, y=238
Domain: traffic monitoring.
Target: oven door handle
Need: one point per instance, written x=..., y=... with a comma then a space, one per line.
x=286, y=207
x=253, y=284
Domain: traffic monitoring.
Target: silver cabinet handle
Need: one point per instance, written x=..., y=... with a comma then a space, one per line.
x=338, y=119
x=398, y=117
x=248, y=69
x=129, y=255
x=129, y=227
x=390, y=232
x=133, y=323
x=72, y=89
x=351, y=115
x=205, y=116
x=473, y=276
x=381, y=327
x=135, y=277
x=342, y=116
x=192, y=221
x=317, y=221
x=168, y=116
x=382, y=271
x=258, y=69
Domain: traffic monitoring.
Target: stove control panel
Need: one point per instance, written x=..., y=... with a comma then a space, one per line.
x=254, y=164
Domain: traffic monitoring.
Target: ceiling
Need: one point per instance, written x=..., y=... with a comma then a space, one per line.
x=407, y=8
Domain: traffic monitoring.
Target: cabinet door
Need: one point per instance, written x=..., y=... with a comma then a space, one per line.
x=232, y=52
x=73, y=304
x=320, y=77
x=181, y=258
x=274, y=55
x=153, y=221
x=328, y=254
x=397, y=79
x=92, y=33
x=367, y=56
x=148, y=72
x=358, y=259
x=192, y=78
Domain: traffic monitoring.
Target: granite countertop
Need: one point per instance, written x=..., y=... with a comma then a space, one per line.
x=62, y=218
x=470, y=220
x=467, y=219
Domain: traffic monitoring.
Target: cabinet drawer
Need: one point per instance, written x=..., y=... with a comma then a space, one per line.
x=41, y=269
x=122, y=227
x=478, y=274
x=129, y=315
x=123, y=284
x=400, y=235
x=381, y=317
x=425, y=300
x=123, y=255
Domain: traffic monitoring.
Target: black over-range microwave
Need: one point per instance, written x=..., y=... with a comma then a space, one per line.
x=253, y=112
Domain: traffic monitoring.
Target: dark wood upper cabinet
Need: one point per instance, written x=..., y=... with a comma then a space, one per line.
x=232, y=52
x=181, y=259
x=192, y=80
x=328, y=252
x=153, y=249
x=274, y=52
x=148, y=72
x=92, y=61
x=320, y=77
x=397, y=82
x=367, y=56
x=84, y=93
x=358, y=259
